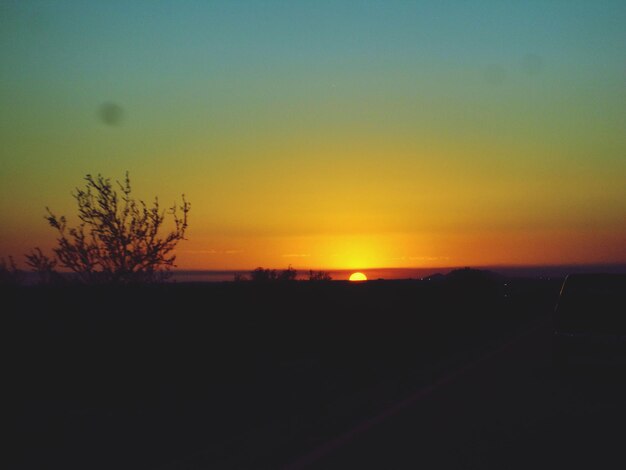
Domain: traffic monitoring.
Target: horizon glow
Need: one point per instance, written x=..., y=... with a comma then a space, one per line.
x=326, y=135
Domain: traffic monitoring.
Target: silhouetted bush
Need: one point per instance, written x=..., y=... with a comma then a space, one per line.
x=263, y=275
x=288, y=274
x=44, y=267
x=268, y=275
x=118, y=239
x=319, y=276
x=9, y=274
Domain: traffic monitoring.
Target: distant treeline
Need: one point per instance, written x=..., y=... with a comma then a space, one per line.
x=261, y=274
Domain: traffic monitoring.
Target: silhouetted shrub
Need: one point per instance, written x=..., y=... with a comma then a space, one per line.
x=288, y=274
x=269, y=275
x=118, y=239
x=9, y=274
x=319, y=276
x=44, y=267
x=263, y=275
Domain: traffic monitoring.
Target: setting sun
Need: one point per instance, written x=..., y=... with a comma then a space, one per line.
x=358, y=277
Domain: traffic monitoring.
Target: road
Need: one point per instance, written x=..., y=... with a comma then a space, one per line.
x=508, y=410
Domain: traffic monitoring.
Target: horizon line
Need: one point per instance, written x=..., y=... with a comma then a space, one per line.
x=380, y=268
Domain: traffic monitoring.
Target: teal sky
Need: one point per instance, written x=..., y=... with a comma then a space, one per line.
x=293, y=125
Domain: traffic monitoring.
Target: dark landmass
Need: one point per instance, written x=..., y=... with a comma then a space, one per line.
x=238, y=375
x=545, y=272
x=508, y=410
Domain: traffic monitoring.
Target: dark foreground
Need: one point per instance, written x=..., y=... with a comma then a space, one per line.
x=395, y=374
x=510, y=410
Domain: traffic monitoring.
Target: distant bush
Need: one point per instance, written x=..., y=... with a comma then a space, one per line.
x=118, y=238
x=319, y=276
x=44, y=267
x=288, y=274
x=9, y=274
x=263, y=275
x=268, y=275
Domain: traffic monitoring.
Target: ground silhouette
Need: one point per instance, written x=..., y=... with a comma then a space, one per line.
x=142, y=376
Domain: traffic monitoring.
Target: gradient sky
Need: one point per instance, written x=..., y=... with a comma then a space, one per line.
x=329, y=134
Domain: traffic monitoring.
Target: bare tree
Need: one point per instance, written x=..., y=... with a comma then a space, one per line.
x=118, y=239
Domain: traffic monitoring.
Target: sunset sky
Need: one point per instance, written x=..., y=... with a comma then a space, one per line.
x=326, y=134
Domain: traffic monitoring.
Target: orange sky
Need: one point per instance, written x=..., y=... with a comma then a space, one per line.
x=340, y=135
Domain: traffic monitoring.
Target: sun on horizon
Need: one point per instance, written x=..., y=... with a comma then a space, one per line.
x=357, y=277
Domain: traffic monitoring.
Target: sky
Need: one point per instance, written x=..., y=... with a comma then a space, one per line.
x=326, y=134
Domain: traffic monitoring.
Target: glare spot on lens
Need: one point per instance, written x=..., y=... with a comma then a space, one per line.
x=110, y=114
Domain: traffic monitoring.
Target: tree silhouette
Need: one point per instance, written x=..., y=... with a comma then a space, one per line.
x=9, y=274
x=288, y=274
x=44, y=267
x=118, y=239
x=269, y=275
x=319, y=276
x=263, y=275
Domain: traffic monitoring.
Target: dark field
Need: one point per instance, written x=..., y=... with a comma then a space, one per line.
x=237, y=375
